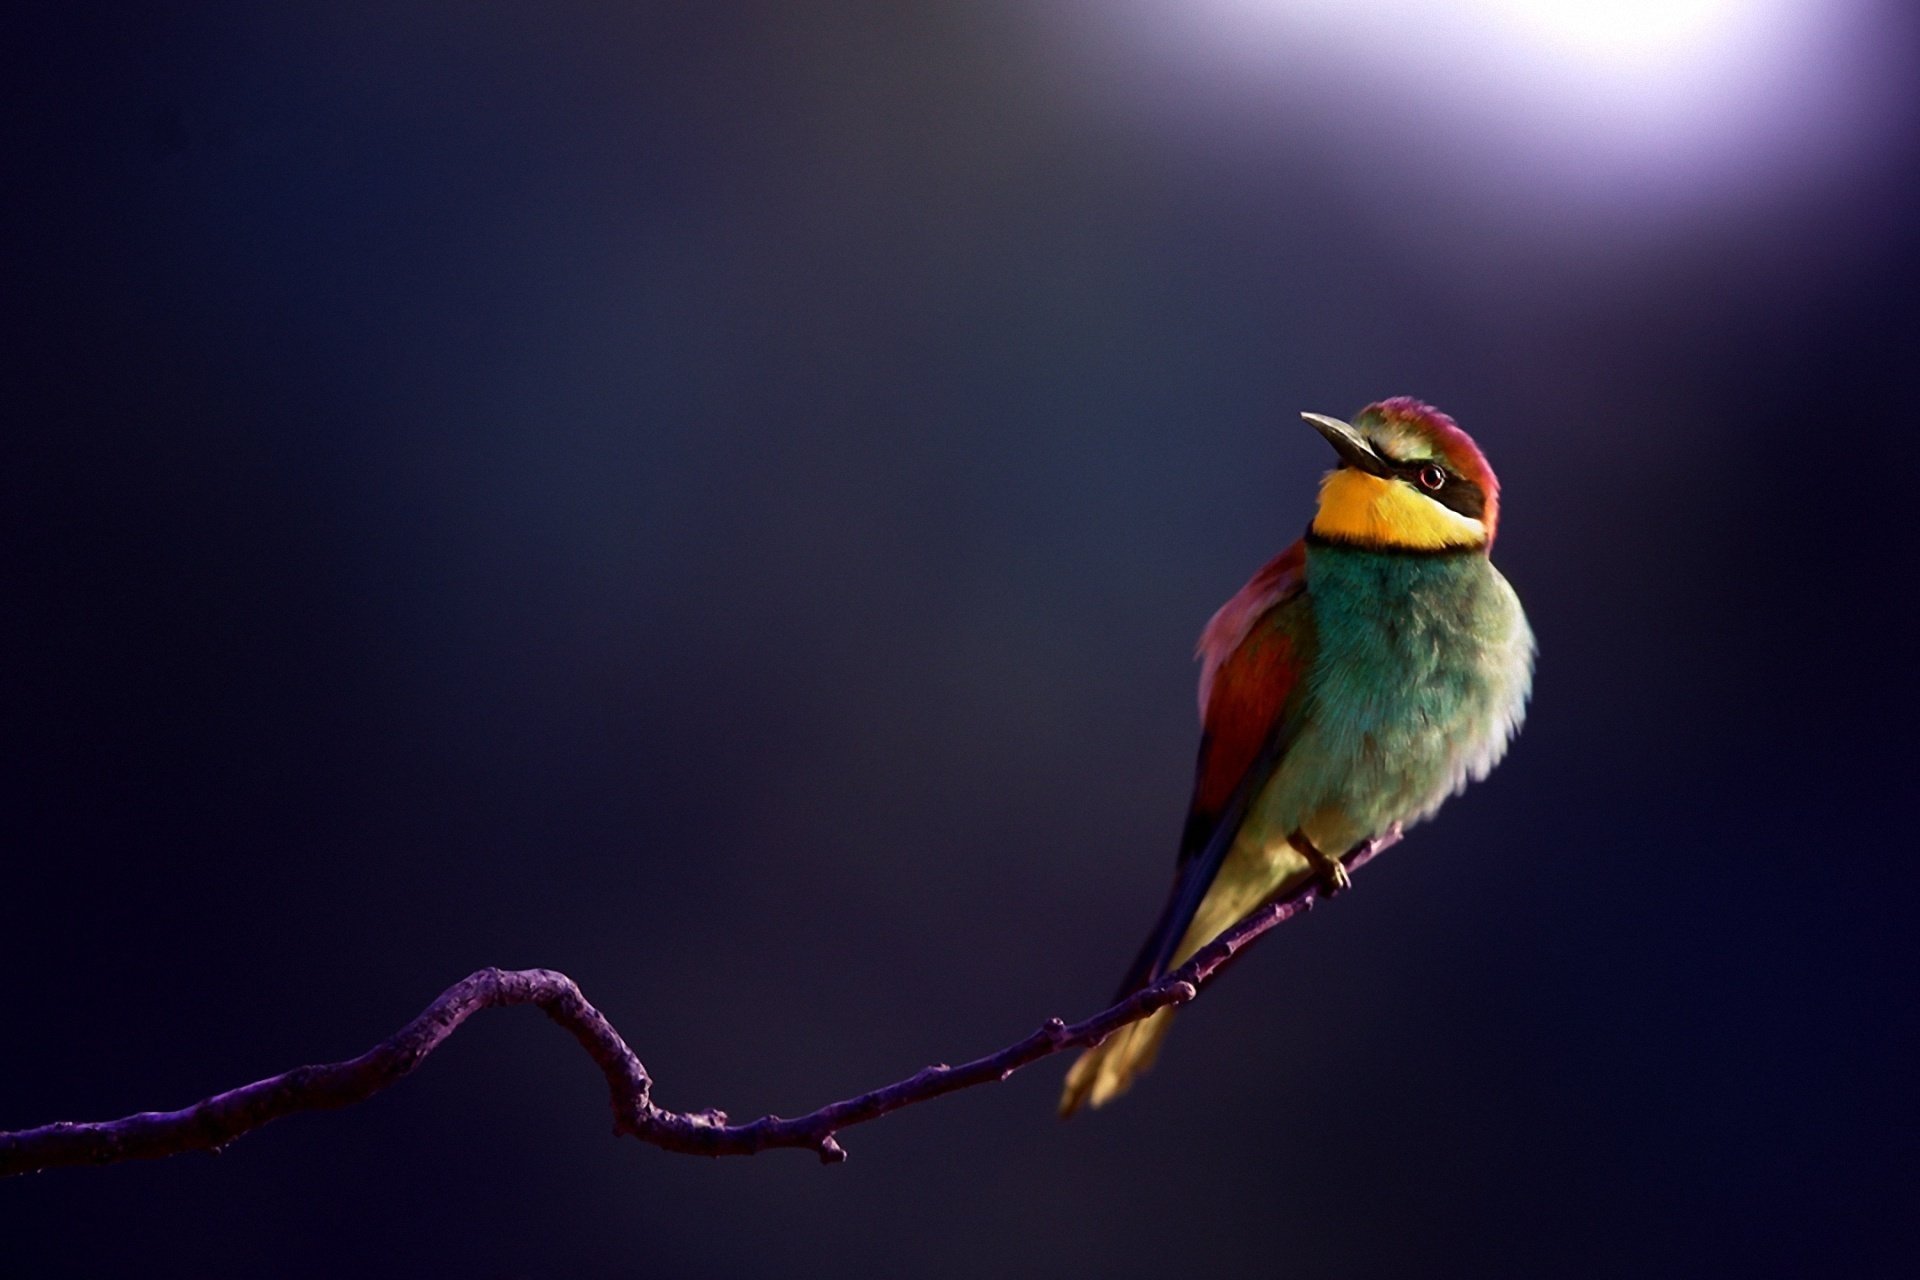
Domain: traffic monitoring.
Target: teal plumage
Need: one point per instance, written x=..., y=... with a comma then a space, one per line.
x=1423, y=663
x=1361, y=678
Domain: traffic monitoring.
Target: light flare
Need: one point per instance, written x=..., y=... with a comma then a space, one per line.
x=1591, y=103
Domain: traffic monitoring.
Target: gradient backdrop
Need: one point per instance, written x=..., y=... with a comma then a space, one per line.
x=718, y=500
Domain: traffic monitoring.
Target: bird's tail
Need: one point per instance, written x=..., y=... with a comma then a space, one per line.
x=1246, y=878
x=1108, y=1070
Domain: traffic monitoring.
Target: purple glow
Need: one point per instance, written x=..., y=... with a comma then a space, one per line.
x=1627, y=104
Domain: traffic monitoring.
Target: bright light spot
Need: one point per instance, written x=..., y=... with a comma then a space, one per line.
x=1630, y=59
x=1615, y=102
x=1629, y=31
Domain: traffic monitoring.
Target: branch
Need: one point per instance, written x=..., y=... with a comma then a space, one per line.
x=211, y=1124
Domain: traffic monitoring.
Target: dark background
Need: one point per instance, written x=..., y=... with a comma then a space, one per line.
x=718, y=501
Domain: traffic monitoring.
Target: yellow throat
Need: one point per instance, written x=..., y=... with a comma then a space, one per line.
x=1356, y=507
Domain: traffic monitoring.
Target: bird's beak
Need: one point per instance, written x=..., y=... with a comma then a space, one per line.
x=1353, y=450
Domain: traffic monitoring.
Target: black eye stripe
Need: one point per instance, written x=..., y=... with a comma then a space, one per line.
x=1457, y=494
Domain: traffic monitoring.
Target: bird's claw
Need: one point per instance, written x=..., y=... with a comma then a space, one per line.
x=1334, y=878
x=1330, y=875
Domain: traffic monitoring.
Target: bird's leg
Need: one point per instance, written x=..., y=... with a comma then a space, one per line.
x=1330, y=872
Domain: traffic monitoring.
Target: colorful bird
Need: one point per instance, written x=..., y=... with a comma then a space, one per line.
x=1364, y=675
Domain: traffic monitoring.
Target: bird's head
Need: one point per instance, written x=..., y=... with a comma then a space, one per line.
x=1409, y=479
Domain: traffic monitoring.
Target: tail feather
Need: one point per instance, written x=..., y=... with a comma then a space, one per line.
x=1245, y=879
x=1109, y=1069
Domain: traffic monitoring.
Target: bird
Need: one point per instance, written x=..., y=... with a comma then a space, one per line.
x=1361, y=678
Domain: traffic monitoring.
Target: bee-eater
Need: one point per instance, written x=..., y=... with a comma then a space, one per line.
x=1364, y=675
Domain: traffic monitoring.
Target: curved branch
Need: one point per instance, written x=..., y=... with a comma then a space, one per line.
x=211, y=1124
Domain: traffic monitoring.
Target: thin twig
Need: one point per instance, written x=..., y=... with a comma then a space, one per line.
x=211, y=1124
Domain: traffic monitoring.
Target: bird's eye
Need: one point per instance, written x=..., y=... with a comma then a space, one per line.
x=1432, y=478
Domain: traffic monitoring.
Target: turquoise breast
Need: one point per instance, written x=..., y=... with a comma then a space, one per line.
x=1422, y=665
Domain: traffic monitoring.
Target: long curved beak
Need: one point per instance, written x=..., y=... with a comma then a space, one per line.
x=1353, y=450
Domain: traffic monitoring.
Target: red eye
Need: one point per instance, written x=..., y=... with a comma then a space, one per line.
x=1432, y=478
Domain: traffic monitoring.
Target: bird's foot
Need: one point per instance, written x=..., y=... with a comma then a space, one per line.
x=1334, y=878
x=1330, y=874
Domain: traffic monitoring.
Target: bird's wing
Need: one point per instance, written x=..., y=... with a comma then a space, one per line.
x=1252, y=657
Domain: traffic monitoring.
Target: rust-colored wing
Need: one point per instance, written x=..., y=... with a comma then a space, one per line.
x=1251, y=664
